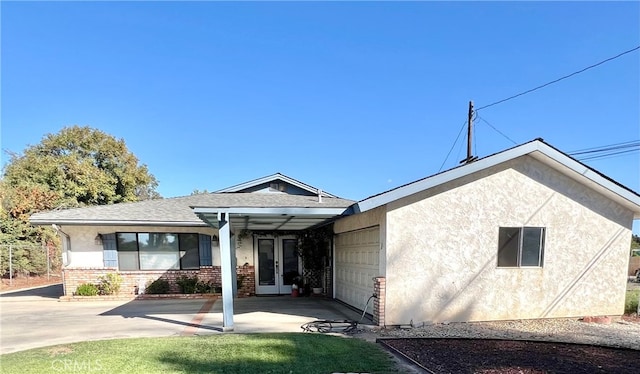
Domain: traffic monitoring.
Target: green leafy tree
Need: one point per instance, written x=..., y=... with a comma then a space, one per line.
x=84, y=166
x=78, y=166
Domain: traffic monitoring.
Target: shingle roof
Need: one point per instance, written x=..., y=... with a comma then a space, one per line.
x=177, y=211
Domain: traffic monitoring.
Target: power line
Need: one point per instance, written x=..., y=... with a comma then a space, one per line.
x=607, y=151
x=498, y=131
x=608, y=155
x=562, y=78
x=602, y=147
x=452, y=146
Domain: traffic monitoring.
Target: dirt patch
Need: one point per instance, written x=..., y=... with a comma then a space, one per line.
x=26, y=282
x=509, y=356
x=59, y=350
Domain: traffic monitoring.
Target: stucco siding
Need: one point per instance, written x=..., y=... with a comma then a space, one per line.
x=442, y=244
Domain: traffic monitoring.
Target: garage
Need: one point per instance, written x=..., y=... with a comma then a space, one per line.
x=357, y=262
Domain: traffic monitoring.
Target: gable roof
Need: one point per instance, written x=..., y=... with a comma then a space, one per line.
x=273, y=178
x=178, y=211
x=537, y=149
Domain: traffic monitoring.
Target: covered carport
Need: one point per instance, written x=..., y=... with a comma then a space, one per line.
x=230, y=220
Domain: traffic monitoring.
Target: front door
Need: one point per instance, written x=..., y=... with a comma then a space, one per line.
x=277, y=264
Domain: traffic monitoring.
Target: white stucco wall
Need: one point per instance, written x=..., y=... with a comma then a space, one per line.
x=442, y=244
x=244, y=251
x=86, y=253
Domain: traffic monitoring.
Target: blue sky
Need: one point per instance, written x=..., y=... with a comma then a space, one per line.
x=355, y=98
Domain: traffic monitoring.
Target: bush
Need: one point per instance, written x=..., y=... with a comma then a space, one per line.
x=158, y=286
x=205, y=287
x=187, y=284
x=110, y=284
x=631, y=302
x=87, y=289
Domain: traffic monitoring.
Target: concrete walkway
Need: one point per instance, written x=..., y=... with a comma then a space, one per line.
x=36, y=318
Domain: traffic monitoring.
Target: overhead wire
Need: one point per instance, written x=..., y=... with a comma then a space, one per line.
x=475, y=111
x=560, y=79
x=608, y=155
x=496, y=130
x=632, y=143
x=452, y=146
x=606, y=151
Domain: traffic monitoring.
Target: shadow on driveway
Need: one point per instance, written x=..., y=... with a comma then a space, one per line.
x=252, y=314
x=53, y=291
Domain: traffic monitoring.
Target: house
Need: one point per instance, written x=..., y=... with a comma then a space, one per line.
x=525, y=233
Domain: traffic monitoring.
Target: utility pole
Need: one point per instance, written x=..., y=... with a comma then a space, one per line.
x=469, y=132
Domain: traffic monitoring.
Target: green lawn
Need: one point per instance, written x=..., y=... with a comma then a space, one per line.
x=631, y=301
x=226, y=353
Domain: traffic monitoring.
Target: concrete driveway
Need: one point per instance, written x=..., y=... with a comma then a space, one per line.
x=36, y=318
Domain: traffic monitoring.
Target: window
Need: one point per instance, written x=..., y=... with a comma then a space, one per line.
x=521, y=246
x=157, y=251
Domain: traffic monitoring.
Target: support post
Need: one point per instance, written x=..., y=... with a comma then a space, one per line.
x=470, y=132
x=10, y=266
x=46, y=251
x=226, y=271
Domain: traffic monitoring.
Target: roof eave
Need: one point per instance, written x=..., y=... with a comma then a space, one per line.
x=271, y=210
x=272, y=177
x=534, y=148
x=85, y=222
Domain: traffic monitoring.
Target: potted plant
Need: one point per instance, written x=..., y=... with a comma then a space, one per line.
x=296, y=286
x=314, y=250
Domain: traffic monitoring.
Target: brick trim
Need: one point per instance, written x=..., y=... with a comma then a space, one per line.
x=132, y=280
x=379, y=290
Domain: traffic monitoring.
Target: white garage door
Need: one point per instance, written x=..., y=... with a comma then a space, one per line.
x=357, y=263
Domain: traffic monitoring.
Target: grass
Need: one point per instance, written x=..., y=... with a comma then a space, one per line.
x=228, y=353
x=631, y=301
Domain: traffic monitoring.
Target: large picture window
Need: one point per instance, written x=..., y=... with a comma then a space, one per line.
x=521, y=246
x=157, y=251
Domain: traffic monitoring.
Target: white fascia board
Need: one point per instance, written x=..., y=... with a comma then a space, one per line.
x=592, y=175
x=271, y=178
x=273, y=211
x=438, y=179
x=527, y=148
x=78, y=222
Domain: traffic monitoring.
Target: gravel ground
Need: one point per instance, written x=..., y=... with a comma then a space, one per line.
x=625, y=334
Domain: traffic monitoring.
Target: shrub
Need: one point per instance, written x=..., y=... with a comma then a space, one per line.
x=87, y=289
x=631, y=302
x=110, y=284
x=205, y=287
x=158, y=286
x=187, y=284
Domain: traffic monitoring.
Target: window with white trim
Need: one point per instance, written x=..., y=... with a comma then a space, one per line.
x=157, y=251
x=521, y=246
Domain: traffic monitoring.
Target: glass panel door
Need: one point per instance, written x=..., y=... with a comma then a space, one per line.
x=277, y=265
x=266, y=270
x=289, y=264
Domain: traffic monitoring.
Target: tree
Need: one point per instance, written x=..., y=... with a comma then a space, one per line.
x=635, y=245
x=83, y=166
x=78, y=166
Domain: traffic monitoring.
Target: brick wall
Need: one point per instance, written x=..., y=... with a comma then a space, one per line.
x=132, y=280
x=246, y=275
x=379, y=289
